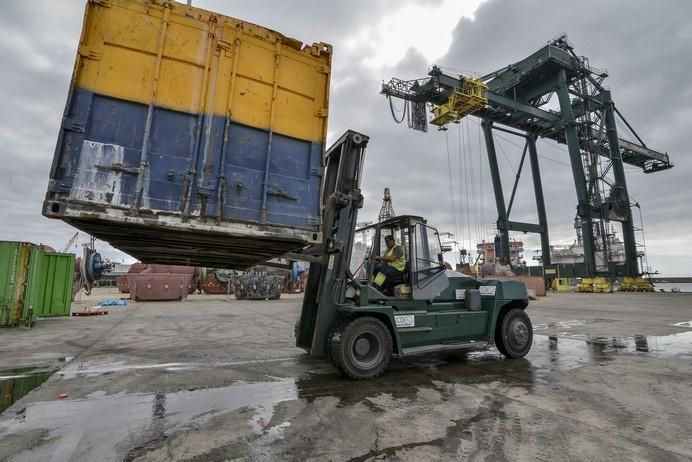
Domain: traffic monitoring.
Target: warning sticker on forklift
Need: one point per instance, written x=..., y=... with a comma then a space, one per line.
x=487, y=290
x=460, y=294
x=407, y=320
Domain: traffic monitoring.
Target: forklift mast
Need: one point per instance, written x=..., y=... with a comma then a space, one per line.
x=341, y=199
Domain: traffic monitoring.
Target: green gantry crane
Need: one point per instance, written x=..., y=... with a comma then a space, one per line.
x=514, y=100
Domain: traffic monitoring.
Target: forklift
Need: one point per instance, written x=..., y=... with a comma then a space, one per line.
x=348, y=319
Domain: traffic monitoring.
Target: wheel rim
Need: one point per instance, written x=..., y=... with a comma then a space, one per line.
x=366, y=350
x=518, y=334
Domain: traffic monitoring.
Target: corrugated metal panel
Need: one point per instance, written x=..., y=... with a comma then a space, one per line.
x=49, y=287
x=194, y=128
x=33, y=283
x=14, y=269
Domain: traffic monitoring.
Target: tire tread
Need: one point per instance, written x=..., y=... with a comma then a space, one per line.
x=342, y=330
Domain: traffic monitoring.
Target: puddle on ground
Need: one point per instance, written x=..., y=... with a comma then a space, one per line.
x=667, y=345
x=107, y=427
x=82, y=370
x=567, y=324
x=15, y=383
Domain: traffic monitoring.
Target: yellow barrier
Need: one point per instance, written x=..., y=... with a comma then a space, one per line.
x=561, y=285
x=602, y=285
x=636, y=285
x=585, y=285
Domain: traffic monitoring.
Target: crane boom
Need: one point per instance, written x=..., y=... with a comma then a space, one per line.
x=69, y=243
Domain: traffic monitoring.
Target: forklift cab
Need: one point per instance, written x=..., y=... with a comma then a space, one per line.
x=424, y=275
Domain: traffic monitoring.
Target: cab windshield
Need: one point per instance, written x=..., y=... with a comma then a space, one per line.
x=362, y=249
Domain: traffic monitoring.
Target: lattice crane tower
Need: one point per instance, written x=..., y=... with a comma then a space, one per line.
x=387, y=210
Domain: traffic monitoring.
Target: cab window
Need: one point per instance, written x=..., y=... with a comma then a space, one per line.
x=428, y=251
x=363, y=242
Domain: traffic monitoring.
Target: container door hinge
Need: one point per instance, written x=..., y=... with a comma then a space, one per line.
x=72, y=125
x=206, y=191
x=89, y=53
x=226, y=46
x=318, y=49
x=313, y=221
x=103, y=3
x=323, y=69
x=321, y=112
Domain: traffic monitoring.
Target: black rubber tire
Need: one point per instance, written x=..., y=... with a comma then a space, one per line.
x=514, y=334
x=371, y=337
x=338, y=326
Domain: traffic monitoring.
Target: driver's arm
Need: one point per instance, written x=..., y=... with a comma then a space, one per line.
x=398, y=253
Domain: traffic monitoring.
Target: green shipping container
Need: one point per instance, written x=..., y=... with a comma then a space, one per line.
x=33, y=283
x=14, y=266
x=49, y=287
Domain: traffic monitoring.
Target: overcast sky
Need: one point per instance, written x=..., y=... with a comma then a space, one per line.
x=644, y=46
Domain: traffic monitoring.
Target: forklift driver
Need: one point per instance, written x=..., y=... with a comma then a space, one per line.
x=391, y=266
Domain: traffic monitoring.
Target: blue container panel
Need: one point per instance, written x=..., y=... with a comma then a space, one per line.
x=100, y=148
x=170, y=146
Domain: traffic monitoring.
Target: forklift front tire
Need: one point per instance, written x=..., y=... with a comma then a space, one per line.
x=362, y=348
x=514, y=335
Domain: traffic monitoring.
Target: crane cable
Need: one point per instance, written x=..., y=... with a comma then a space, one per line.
x=451, y=187
x=464, y=171
x=404, y=111
x=465, y=150
x=460, y=176
x=484, y=231
x=472, y=175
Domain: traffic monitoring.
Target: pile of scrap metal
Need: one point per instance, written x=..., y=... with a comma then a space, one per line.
x=260, y=283
x=269, y=282
x=218, y=281
x=159, y=282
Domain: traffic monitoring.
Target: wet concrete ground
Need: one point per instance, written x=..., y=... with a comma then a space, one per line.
x=608, y=378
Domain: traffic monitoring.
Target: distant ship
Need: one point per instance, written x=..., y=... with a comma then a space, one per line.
x=574, y=253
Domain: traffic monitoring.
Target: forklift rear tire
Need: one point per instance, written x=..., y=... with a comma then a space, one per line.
x=361, y=348
x=514, y=334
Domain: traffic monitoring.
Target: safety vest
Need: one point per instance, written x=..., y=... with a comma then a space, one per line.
x=400, y=263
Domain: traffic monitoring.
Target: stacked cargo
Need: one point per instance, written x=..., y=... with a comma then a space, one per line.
x=191, y=138
x=33, y=283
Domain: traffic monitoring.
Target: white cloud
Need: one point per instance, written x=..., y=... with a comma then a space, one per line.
x=427, y=29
